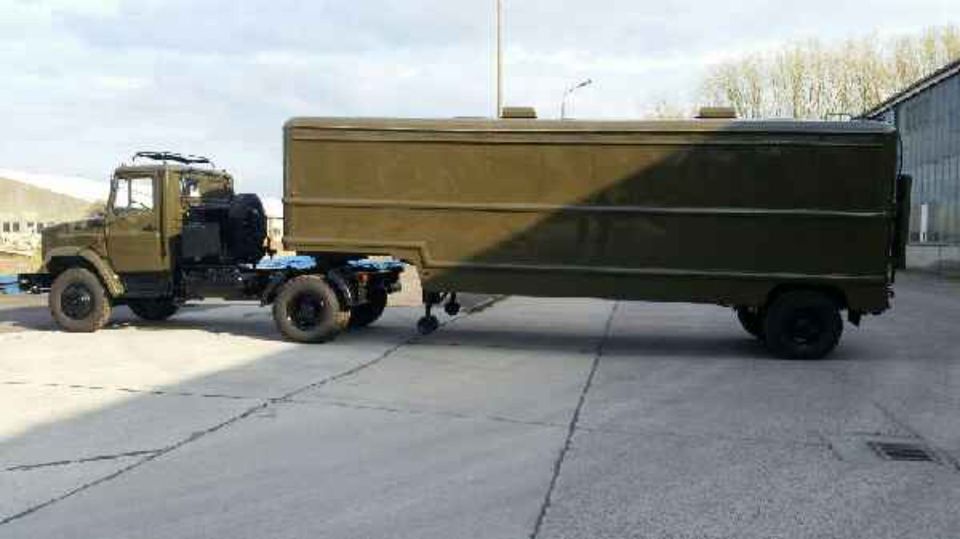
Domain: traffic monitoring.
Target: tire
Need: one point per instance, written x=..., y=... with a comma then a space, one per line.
x=79, y=302
x=154, y=310
x=363, y=315
x=428, y=324
x=751, y=320
x=803, y=324
x=307, y=310
x=246, y=229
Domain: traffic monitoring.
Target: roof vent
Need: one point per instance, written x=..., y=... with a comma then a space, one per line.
x=518, y=113
x=716, y=113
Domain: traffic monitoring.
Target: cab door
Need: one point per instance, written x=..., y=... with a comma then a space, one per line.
x=134, y=240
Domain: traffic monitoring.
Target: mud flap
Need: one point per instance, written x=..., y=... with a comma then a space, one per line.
x=901, y=235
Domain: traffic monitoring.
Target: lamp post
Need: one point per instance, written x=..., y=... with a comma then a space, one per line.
x=499, y=59
x=566, y=94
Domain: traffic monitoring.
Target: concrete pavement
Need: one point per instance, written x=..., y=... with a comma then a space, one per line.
x=534, y=417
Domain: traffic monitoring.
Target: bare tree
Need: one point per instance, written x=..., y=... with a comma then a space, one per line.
x=811, y=80
x=664, y=110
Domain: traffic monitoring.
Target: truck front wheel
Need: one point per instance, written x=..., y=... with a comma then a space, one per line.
x=78, y=301
x=802, y=324
x=155, y=310
x=307, y=310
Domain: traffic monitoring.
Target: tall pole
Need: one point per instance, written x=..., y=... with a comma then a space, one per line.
x=499, y=58
x=566, y=94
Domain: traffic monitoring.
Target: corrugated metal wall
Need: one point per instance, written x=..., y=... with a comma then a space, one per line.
x=929, y=124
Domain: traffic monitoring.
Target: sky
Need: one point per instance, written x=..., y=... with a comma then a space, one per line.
x=88, y=83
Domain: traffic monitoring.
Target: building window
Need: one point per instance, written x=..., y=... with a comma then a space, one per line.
x=16, y=226
x=6, y=226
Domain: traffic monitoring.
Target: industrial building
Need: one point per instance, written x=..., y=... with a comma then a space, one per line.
x=26, y=207
x=927, y=114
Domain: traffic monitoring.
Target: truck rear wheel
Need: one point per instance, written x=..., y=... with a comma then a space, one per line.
x=368, y=313
x=155, y=310
x=802, y=324
x=751, y=320
x=308, y=310
x=78, y=301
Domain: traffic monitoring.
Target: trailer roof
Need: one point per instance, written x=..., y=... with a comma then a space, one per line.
x=585, y=126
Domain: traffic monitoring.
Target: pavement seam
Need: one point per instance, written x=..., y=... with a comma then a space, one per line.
x=486, y=304
x=158, y=392
x=83, y=460
x=708, y=436
x=572, y=427
x=434, y=413
x=234, y=419
x=198, y=435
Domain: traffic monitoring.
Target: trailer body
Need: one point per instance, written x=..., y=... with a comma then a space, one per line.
x=724, y=212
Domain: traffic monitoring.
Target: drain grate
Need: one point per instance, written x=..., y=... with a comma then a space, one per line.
x=903, y=451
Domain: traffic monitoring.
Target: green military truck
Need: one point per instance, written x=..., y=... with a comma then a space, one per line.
x=175, y=230
x=789, y=223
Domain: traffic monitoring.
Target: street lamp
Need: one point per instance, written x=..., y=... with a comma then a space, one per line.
x=570, y=90
x=499, y=60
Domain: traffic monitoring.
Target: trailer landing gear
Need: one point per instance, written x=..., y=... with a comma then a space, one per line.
x=452, y=306
x=428, y=323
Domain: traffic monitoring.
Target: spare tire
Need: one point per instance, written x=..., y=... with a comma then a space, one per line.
x=246, y=229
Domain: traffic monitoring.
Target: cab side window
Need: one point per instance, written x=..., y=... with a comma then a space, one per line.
x=133, y=195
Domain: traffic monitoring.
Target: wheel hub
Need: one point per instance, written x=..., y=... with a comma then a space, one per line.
x=806, y=328
x=305, y=312
x=77, y=301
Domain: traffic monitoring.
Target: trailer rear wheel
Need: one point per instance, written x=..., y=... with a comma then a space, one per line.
x=308, y=310
x=367, y=313
x=154, y=310
x=803, y=324
x=751, y=320
x=79, y=302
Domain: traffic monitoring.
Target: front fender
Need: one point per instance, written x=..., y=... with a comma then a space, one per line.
x=109, y=277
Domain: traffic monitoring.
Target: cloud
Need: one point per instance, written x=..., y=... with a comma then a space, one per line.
x=87, y=83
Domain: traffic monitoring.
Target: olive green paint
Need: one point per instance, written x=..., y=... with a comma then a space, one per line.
x=141, y=241
x=703, y=211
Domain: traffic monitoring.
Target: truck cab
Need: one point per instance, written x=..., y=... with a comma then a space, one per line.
x=174, y=230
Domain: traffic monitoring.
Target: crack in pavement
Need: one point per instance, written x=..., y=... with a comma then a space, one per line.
x=721, y=436
x=572, y=427
x=267, y=403
x=433, y=413
x=158, y=392
x=97, y=458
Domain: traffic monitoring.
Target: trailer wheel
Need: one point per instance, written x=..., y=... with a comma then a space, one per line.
x=154, y=310
x=78, y=301
x=307, y=310
x=368, y=313
x=803, y=324
x=751, y=320
x=428, y=324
